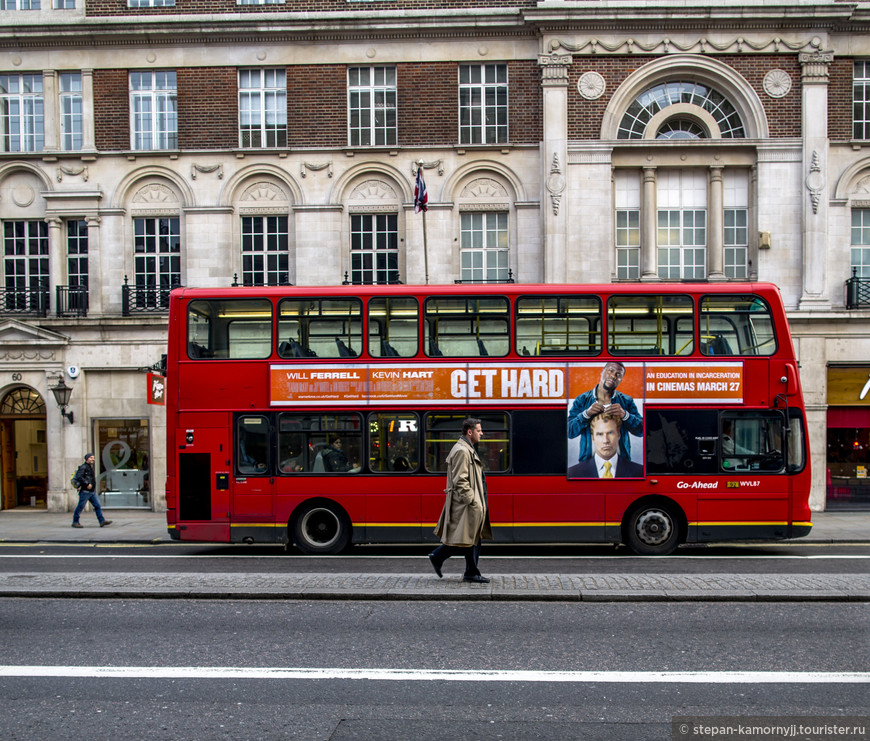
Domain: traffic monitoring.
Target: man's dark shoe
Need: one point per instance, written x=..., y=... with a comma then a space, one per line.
x=105, y=522
x=477, y=579
x=77, y=524
x=435, y=565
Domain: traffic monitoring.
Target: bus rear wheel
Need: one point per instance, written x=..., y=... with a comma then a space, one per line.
x=321, y=528
x=653, y=530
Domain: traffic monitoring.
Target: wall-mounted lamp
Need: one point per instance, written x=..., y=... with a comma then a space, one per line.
x=61, y=396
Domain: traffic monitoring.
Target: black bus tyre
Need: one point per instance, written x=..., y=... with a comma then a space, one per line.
x=652, y=529
x=321, y=528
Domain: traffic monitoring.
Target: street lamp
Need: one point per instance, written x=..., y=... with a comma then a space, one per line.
x=61, y=396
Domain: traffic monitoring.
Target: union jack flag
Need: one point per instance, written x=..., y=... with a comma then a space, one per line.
x=421, y=197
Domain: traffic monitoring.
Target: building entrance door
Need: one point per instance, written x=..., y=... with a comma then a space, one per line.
x=23, y=450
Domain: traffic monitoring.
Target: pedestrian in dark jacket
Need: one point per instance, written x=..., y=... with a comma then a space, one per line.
x=85, y=480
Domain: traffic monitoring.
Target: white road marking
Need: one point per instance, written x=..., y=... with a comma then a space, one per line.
x=408, y=675
x=335, y=559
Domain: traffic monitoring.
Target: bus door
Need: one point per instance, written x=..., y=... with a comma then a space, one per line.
x=203, y=484
x=253, y=481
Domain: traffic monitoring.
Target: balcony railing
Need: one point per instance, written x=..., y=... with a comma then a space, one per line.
x=509, y=279
x=857, y=291
x=144, y=299
x=71, y=301
x=24, y=302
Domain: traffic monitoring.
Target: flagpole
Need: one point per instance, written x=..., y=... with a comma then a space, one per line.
x=425, y=250
x=425, y=240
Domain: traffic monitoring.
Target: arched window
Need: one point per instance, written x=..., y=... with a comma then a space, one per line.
x=23, y=401
x=709, y=103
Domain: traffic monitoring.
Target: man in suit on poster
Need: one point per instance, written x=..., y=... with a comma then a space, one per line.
x=607, y=461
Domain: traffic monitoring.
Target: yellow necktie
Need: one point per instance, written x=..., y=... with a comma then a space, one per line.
x=607, y=473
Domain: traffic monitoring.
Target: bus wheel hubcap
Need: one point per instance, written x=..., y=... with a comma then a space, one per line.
x=320, y=526
x=654, y=527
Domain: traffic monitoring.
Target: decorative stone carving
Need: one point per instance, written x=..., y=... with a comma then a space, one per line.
x=667, y=45
x=777, y=83
x=155, y=193
x=61, y=171
x=554, y=69
x=263, y=192
x=427, y=166
x=555, y=184
x=591, y=85
x=195, y=168
x=373, y=190
x=815, y=181
x=305, y=166
x=23, y=195
x=484, y=189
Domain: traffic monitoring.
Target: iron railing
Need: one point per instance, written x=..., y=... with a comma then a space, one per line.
x=144, y=299
x=24, y=301
x=71, y=301
x=509, y=279
x=857, y=291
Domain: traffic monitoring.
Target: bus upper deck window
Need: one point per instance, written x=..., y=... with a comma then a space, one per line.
x=466, y=326
x=558, y=325
x=320, y=328
x=736, y=325
x=393, y=326
x=653, y=324
x=229, y=329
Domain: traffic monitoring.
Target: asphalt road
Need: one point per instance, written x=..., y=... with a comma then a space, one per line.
x=811, y=647
x=793, y=558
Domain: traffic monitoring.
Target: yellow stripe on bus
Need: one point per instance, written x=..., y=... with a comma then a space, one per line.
x=530, y=524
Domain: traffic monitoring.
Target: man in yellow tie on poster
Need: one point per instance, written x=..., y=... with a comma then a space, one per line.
x=606, y=461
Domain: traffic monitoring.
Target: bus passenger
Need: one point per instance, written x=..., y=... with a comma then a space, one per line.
x=464, y=520
x=605, y=398
x=607, y=462
x=335, y=460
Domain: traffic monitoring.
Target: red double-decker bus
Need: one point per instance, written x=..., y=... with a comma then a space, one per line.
x=322, y=416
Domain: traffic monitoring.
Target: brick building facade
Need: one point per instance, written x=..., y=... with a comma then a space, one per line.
x=150, y=143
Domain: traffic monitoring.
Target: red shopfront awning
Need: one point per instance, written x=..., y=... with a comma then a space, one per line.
x=854, y=417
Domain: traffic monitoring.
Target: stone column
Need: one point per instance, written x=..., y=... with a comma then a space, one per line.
x=715, y=226
x=554, y=81
x=56, y=261
x=648, y=226
x=89, y=143
x=95, y=284
x=814, y=124
x=51, y=119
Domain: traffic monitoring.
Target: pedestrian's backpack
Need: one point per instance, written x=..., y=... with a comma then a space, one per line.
x=72, y=479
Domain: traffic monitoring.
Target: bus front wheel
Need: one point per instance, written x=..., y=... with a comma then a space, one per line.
x=653, y=530
x=321, y=528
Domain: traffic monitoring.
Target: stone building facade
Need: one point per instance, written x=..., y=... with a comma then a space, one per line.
x=152, y=143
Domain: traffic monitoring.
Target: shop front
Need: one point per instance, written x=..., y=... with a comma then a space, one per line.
x=848, y=438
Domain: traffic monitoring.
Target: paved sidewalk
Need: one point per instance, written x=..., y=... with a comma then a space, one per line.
x=150, y=528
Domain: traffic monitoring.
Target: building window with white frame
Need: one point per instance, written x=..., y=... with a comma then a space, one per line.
x=64, y=4
x=682, y=224
x=154, y=112
x=372, y=107
x=77, y=253
x=71, y=116
x=22, y=116
x=25, y=265
x=627, y=204
x=861, y=242
x=736, y=223
x=156, y=259
x=20, y=5
x=263, y=107
x=483, y=246
x=483, y=103
x=374, y=248
x=265, y=252
x=259, y=2
x=861, y=100
x=150, y=3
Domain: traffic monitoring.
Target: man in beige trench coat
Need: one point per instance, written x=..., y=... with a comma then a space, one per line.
x=464, y=521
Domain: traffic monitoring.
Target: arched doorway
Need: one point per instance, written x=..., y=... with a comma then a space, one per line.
x=23, y=449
